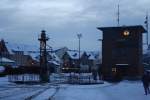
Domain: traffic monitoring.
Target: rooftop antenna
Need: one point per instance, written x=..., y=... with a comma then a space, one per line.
x=146, y=24
x=118, y=16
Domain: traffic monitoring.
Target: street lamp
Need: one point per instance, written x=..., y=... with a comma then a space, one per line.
x=100, y=53
x=100, y=59
x=79, y=37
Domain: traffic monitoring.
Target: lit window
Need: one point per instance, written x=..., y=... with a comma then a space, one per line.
x=114, y=70
x=126, y=33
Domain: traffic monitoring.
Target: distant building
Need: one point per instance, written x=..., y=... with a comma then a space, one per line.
x=6, y=61
x=60, y=51
x=17, y=53
x=88, y=59
x=122, y=51
x=5, y=55
x=71, y=61
x=54, y=62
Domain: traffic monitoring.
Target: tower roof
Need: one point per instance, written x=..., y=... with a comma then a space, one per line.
x=139, y=28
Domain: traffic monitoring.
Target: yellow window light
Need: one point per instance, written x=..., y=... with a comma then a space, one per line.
x=126, y=33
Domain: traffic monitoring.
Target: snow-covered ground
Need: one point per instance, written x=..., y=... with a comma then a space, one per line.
x=125, y=90
x=12, y=91
x=121, y=91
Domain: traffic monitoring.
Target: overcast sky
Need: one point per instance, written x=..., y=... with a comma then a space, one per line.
x=22, y=20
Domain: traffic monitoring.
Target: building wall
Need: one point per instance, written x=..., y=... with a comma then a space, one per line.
x=117, y=49
x=74, y=63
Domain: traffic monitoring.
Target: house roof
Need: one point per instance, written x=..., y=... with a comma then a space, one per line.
x=3, y=59
x=91, y=55
x=74, y=54
x=135, y=27
x=34, y=55
x=55, y=57
x=54, y=62
x=21, y=47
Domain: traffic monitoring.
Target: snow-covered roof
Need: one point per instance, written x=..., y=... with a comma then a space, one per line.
x=21, y=47
x=7, y=60
x=55, y=57
x=31, y=50
x=74, y=54
x=34, y=55
x=59, y=48
x=92, y=55
x=54, y=62
x=2, y=68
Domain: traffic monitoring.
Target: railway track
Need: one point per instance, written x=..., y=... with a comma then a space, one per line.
x=28, y=92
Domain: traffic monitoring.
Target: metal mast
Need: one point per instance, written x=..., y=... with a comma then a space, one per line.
x=44, y=74
x=118, y=16
x=79, y=37
x=146, y=25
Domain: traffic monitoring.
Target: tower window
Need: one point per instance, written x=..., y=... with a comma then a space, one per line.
x=126, y=33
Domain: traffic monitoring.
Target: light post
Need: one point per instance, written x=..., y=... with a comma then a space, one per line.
x=100, y=60
x=101, y=40
x=79, y=37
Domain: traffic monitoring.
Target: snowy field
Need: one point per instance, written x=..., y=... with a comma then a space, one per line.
x=125, y=90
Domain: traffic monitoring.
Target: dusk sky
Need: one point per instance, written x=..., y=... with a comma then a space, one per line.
x=21, y=21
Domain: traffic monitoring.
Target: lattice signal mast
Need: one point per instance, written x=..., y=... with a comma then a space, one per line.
x=44, y=74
